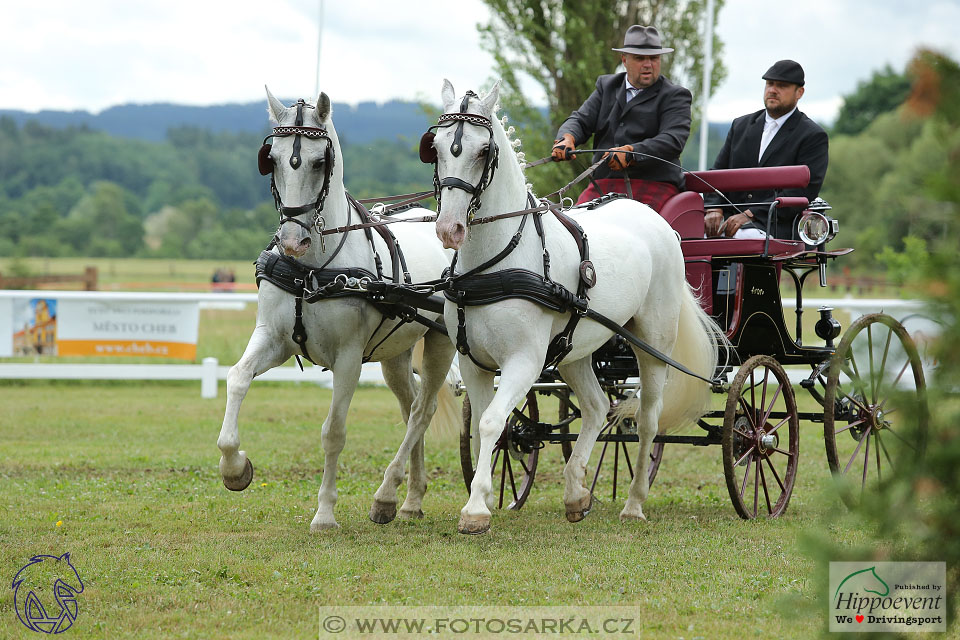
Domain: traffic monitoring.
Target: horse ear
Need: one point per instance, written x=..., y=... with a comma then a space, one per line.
x=489, y=101
x=274, y=107
x=323, y=107
x=448, y=95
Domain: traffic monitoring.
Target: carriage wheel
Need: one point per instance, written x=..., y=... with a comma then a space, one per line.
x=761, y=439
x=620, y=457
x=514, y=470
x=874, y=379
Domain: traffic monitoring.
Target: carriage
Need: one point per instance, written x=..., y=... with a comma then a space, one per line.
x=855, y=386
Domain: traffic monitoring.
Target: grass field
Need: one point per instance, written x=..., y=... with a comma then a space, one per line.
x=124, y=477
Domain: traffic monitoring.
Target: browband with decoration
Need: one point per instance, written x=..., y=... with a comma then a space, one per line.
x=310, y=132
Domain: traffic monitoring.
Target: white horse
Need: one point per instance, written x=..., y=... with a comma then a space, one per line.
x=640, y=285
x=341, y=332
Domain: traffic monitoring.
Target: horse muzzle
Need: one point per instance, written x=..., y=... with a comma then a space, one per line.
x=295, y=247
x=451, y=234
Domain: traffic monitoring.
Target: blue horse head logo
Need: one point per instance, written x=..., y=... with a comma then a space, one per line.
x=45, y=593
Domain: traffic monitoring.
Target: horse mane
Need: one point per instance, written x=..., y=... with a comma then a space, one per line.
x=513, y=142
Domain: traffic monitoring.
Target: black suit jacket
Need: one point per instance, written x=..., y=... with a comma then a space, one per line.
x=799, y=141
x=656, y=121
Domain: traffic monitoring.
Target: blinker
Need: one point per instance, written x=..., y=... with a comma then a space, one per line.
x=428, y=154
x=264, y=163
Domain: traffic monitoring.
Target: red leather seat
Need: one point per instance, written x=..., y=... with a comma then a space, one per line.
x=684, y=212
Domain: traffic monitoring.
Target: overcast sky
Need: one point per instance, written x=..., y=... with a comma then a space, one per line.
x=65, y=54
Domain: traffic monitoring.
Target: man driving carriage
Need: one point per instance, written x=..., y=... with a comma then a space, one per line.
x=777, y=135
x=636, y=110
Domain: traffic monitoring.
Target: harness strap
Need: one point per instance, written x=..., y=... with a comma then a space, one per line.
x=634, y=340
x=300, y=331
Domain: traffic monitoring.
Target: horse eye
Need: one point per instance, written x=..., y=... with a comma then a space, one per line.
x=317, y=163
x=483, y=151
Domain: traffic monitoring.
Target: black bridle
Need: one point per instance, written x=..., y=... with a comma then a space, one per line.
x=428, y=154
x=266, y=166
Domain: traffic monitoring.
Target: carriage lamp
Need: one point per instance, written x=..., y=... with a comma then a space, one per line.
x=816, y=229
x=827, y=326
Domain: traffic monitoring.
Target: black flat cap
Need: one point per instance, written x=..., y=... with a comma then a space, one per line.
x=785, y=71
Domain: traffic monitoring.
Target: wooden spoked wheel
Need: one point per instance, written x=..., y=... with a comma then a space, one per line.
x=513, y=471
x=876, y=387
x=620, y=458
x=761, y=439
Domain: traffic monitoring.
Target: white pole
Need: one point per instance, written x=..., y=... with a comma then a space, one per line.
x=208, y=378
x=707, y=72
x=316, y=90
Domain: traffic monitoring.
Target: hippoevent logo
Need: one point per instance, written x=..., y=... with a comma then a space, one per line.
x=888, y=596
x=45, y=593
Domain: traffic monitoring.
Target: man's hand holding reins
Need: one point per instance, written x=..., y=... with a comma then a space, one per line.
x=562, y=148
x=618, y=159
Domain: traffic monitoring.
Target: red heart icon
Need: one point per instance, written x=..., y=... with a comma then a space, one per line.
x=859, y=618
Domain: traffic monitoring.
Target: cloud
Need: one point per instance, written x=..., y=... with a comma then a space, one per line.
x=92, y=55
x=838, y=43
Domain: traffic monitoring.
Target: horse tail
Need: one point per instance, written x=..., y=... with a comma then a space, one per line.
x=685, y=398
x=447, y=418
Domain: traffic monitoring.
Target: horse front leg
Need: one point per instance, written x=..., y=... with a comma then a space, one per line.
x=517, y=378
x=346, y=375
x=594, y=406
x=262, y=353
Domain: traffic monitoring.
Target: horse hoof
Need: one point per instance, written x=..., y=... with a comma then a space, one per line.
x=242, y=481
x=407, y=514
x=318, y=527
x=632, y=517
x=383, y=512
x=579, y=511
x=474, y=526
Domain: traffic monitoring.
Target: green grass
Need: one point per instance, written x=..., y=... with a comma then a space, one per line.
x=165, y=551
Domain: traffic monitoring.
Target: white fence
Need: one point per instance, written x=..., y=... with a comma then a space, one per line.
x=209, y=372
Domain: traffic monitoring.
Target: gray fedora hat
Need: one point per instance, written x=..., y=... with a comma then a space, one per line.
x=642, y=41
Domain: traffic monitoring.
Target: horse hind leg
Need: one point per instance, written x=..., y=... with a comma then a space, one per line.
x=438, y=354
x=398, y=375
x=437, y=357
x=260, y=355
x=593, y=409
x=653, y=374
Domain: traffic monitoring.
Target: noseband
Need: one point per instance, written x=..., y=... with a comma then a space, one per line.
x=266, y=166
x=428, y=154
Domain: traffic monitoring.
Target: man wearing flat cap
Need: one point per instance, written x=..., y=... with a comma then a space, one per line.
x=635, y=110
x=775, y=136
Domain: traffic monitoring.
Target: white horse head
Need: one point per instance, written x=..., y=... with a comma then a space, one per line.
x=473, y=153
x=306, y=162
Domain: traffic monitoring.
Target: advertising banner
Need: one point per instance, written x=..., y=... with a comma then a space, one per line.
x=120, y=328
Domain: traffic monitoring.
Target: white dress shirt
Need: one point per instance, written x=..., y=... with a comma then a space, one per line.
x=771, y=127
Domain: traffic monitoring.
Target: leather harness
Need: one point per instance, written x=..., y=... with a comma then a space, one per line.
x=311, y=284
x=473, y=288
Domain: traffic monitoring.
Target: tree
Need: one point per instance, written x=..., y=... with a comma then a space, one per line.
x=915, y=517
x=104, y=222
x=564, y=46
x=884, y=91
